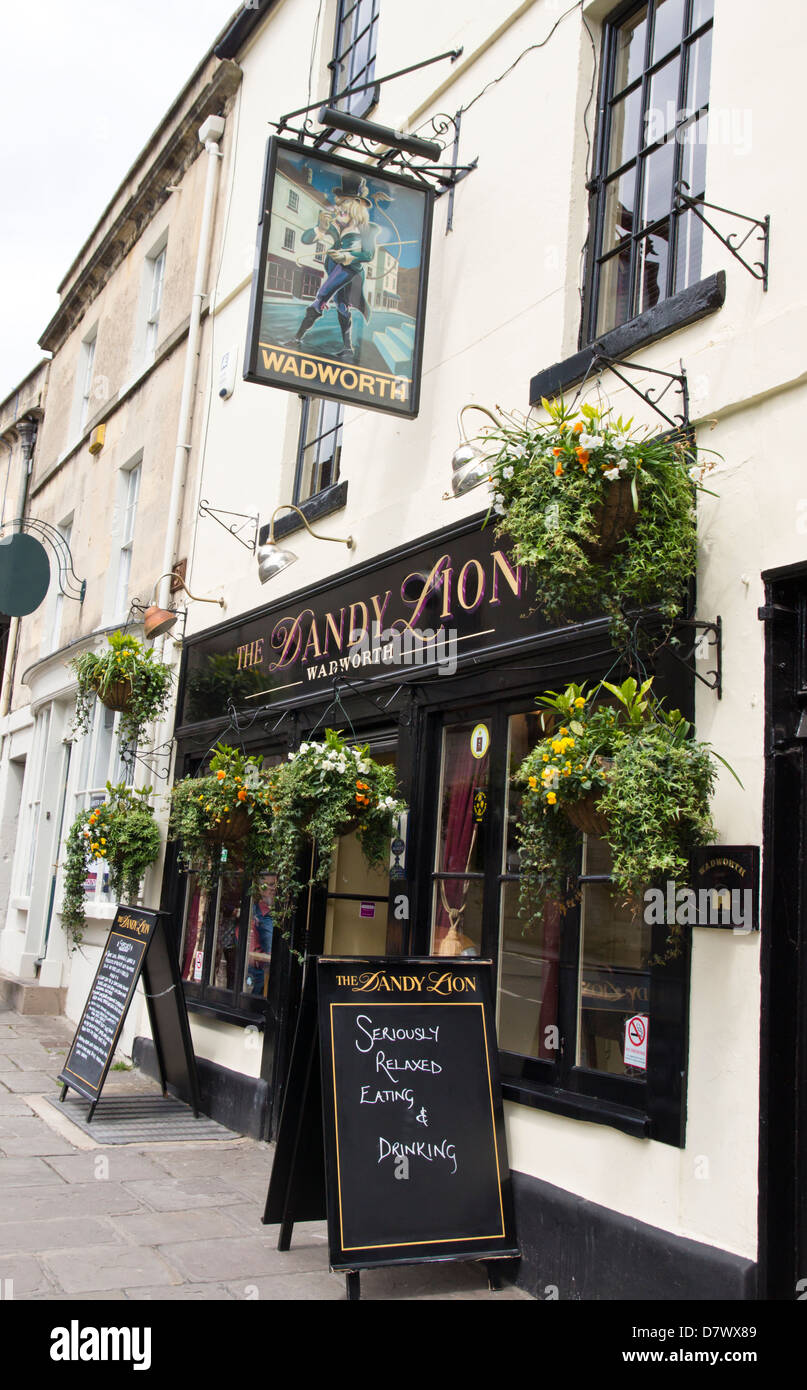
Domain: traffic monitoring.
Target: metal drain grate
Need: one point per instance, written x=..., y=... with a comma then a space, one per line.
x=140, y=1119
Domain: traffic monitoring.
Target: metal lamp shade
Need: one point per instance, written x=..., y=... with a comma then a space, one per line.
x=157, y=621
x=470, y=469
x=272, y=559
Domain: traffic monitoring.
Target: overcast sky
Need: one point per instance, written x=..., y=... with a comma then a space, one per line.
x=84, y=84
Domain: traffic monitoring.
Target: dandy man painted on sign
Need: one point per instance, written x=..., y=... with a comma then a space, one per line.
x=339, y=290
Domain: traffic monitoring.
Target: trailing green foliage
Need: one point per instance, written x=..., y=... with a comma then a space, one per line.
x=121, y=832
x=206, y=812
x=553, y=484
x=126, y=660
x=323, y=791
x=646, y=773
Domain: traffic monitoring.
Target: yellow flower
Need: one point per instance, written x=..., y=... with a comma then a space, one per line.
x=579, y=702
x=557, y=746
x=533, y=782
x=551, y=798
x=546, y=757
x=563, y=733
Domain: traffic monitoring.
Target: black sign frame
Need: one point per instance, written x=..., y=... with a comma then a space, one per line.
x=325, y=373
x=146, y=932
x=308, y=1180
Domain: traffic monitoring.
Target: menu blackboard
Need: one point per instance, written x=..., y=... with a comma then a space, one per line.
x=415, y=1156
x=137, y=943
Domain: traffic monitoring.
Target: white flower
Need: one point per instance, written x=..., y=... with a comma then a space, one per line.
x=612, y=473
x=508, y=472
x=291, y=757
x=591, y=441
x=618, y=442
x=304, y=747
x=363, y=766
x=695, y=473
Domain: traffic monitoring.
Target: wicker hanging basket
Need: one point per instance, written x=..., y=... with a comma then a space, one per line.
x=117, y=695
x=231, y=829
x=614, y=519
x=584, y=815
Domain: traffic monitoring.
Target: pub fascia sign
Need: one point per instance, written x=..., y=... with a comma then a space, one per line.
x=424, y=621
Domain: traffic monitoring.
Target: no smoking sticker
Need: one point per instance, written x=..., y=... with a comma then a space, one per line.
x=635, y=1049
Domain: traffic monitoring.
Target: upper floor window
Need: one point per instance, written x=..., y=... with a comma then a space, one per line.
x=288, y=239
x=294, y=200
x=131, y=492
x=319, y=447
x=156, y=272
x=86, y=367
x=354, y=54
x=653, y=132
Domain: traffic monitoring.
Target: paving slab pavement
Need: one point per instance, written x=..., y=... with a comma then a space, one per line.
x=156, y=1221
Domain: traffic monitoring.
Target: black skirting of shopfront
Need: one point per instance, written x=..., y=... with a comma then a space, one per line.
x=452, y=652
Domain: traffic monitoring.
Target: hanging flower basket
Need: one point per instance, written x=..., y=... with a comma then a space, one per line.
x=230, y=805
x=116, y=696
x=322, y=792
x=125, y=678
x=123, y=834
x=621, y=768
x=602, y=512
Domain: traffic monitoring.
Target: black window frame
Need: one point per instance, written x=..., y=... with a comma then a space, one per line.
x=602, y=178
x=304, y=447
x=650, y=1107
x=345, y=45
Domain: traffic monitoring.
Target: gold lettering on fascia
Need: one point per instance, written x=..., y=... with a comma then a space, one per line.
x=309, y=637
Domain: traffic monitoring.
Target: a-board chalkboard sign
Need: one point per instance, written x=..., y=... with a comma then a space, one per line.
x=415, y=1156
x=138, y=944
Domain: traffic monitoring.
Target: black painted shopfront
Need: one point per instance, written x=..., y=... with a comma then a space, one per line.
x=443, y=682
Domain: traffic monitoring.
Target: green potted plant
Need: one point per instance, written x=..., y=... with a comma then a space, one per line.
x=602, y=512
x=228, y=806
x=613, y=763
x=124, y=677
x=123, y=833
x=324, y=790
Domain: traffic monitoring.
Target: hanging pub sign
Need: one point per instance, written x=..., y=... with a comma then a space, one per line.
x=339, y=287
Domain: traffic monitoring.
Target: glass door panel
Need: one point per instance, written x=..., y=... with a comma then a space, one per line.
x=614, y=974
x=459, y=860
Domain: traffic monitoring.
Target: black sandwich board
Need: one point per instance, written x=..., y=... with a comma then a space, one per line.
x=399, y=1058
x=138, y=943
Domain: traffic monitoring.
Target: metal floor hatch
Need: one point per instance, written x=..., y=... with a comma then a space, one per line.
x=134, y=1119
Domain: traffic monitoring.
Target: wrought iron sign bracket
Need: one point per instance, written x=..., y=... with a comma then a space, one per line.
x=234, y=529
x=650, y=395
x=713, y=680
x=69, y=583
x=758, y=269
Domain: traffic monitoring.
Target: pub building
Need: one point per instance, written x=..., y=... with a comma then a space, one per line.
x=448, y=653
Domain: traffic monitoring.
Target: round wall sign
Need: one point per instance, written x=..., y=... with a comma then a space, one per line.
x=24, y=574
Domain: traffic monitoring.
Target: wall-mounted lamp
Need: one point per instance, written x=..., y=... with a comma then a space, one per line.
x=272, y=558
x=379, y=134
x=470, y=465
x=159, y=620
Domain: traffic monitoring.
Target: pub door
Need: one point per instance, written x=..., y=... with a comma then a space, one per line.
x=783, y=1059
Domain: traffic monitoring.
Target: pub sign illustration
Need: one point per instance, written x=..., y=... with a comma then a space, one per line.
x=339, y=288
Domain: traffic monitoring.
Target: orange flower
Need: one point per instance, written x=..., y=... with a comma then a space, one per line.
x=583, y=455
x=242, y=794
x=578, y=428
x=221, y=775
x=556, y=452
x=558, y=470
x=363, y=786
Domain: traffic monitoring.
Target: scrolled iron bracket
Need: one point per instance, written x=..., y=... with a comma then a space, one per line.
x=757, y=269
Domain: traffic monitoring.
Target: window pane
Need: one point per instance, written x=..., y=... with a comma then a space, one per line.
x=693, y=155
x=630, y=46
x=614, y=970
x=668, y=26
x=224, y=958
x=700, y=62
x=615, y=292
x=464, y=773
x=619, y=196
x=197, y=910
x=688, y=250
x=528, y=979
x=625, y=129
x=652, y=268
x=701, y=11
x=662, y=110
x=457, y=917
x=657, y=186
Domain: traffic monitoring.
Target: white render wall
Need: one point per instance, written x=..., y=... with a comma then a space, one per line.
x=503, y=303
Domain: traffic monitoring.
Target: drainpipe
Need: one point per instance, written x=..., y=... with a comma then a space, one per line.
x=209, y=133
x=26, y=429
